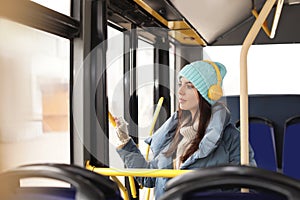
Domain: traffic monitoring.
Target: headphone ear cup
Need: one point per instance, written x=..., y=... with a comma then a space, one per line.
x=215, y=92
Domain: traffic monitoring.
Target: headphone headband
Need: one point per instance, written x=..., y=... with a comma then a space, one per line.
x=215, y=91
x=219, y=77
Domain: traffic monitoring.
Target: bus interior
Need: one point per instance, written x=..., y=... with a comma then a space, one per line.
x=66, y=64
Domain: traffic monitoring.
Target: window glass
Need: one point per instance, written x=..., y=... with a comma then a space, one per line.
x=62, y=6
x=34, y=87
x=272, y=69
x=173, y=78
x=145, y=85
x=115, y=91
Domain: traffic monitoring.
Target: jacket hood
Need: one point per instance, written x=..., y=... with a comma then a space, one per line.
x=219, y=120
x=161, y=138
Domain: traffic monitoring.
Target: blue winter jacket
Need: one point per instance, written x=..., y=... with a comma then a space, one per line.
x=220, y=145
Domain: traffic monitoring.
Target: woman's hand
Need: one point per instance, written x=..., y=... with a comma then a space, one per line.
x=121, y=129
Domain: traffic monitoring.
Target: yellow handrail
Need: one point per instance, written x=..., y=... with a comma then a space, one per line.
x=114, y=178
x=276, y=18
x=244, y=81
x=264, y=25
x=157, y=110
x=138, y=172
x=271, y=33
x=155, y=116
x=112, y=121
x=131, y=179
x=244, y=139
x=132, y=186
x=113, y=172
x=122, y=187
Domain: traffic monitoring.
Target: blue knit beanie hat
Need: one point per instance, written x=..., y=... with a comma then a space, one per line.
x=203, y=75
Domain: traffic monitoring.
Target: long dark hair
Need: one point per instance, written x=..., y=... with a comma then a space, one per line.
x=185, y=118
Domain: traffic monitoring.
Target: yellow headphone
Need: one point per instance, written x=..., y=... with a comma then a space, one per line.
x=215, y=91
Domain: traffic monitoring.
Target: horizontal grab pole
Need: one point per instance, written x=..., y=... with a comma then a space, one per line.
x=167, y=173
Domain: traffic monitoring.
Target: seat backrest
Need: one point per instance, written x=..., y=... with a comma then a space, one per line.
x=262, y=140
x=233, y=196
x=85, y=183
x=220, y=182
x=291, y=148
x=44, y=193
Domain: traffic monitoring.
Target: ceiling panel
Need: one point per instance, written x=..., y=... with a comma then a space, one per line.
x=212, y=18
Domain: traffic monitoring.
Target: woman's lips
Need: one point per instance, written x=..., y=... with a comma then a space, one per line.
x=181, y=100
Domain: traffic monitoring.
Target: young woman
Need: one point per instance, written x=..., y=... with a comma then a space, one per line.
x=198, y=135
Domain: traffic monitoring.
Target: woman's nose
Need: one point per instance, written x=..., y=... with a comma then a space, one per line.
x=181, y=90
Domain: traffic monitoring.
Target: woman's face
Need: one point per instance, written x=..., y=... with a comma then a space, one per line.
x=188, y=96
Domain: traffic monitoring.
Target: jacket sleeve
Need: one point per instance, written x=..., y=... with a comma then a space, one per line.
x=133, y=158
x=233, y=143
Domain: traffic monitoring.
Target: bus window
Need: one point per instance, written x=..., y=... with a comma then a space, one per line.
x=62, y=6
x=115, y=90
x=265, y=74
x=145, y=86
x=173, y=78
x=34, y=87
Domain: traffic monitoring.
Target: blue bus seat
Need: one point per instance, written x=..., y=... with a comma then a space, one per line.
x=224, y=182
x=45, y=193
x=262, y=140
x=85, y=184
x=291, y=148
x=233, y=196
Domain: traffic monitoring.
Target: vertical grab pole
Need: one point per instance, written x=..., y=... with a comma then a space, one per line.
x=157, y=110
x=244, y=81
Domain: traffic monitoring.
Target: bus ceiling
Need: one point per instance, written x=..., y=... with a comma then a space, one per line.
x=208, y=22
